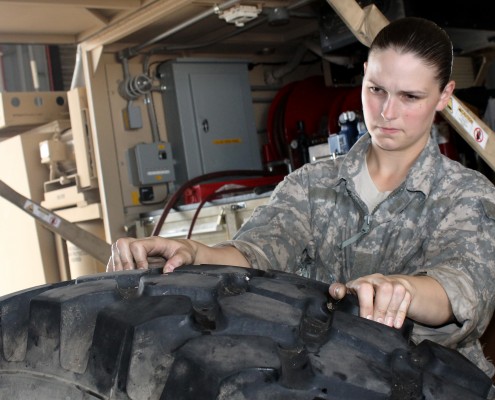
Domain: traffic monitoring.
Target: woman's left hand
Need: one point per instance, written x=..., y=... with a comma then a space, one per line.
x=390, y=299
x=384, y=299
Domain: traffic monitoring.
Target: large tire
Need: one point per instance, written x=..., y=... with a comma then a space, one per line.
x=213, y=332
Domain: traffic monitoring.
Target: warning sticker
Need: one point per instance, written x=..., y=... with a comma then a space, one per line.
x=41, y=214
x=462, y=116
x=227, y=141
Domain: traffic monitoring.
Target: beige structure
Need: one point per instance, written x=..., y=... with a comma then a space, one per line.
x=27, y=249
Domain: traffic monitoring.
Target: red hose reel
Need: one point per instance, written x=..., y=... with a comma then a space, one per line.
x=307, y=103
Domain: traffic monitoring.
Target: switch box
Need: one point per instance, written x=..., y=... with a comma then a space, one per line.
x=209, y=116
x=151, y=164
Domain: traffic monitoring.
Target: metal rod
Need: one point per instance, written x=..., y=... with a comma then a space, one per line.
x=91, y=244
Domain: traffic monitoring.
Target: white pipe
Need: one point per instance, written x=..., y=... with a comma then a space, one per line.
x=78, y=75
x=34, y=69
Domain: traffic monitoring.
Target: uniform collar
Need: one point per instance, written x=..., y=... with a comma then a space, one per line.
x=420, y=178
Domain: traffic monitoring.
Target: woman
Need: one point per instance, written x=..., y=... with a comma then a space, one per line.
x=410, y=232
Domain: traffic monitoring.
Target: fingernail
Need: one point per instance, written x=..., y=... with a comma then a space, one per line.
x=390, y=321
x=337, y=291
x=380, y=320
x=369, y=317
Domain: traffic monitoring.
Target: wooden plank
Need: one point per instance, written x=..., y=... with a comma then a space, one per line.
x=126, y=25
x=472, y=129
x=363, y=23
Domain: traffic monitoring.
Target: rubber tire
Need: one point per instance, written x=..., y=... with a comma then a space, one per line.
x=213, y=332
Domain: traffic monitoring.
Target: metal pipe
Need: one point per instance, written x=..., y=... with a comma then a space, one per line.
x=248, y=26
x=148, y=100
x=131, y=52
x=226, y=36
x=275, y=75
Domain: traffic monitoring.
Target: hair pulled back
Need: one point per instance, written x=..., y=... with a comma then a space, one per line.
x=421, y=37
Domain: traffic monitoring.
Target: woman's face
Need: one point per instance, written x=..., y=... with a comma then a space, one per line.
x=400, y=96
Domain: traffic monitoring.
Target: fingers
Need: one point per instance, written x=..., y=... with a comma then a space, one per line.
x=337, y=290
x=130, y=253
x=383, y=299
x=122, y=257
x=184, y=253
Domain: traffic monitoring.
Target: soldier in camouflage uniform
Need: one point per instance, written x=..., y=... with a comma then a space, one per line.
x=407, y=230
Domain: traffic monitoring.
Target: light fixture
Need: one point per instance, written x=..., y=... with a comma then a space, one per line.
x=240, y=14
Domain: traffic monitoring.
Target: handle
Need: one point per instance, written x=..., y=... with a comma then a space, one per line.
x=206, y=126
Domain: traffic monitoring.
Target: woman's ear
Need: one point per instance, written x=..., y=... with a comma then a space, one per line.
x=445, y=96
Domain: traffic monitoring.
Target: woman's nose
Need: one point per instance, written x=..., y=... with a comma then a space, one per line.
x=389, y=109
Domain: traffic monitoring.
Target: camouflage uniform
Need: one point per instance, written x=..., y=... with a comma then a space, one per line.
x=439, y=222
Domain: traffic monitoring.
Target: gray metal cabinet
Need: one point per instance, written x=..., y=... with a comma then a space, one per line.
x=209, y=116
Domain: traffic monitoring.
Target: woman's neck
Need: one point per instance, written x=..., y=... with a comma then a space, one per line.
x=388, y=169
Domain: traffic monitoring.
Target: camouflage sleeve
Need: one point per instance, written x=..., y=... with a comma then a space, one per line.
x=254, y=255
x=277, y=233
x=459, y=255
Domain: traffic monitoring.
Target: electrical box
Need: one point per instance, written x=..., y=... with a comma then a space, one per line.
x=209, y=116
x=151, y=164
x=20, y=111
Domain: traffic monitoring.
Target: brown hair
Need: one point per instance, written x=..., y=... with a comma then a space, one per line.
x=421, y=37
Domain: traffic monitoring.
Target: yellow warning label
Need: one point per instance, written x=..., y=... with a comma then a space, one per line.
x=450, y=107
x=227, y=141
x=135, y=198
x=465, y=115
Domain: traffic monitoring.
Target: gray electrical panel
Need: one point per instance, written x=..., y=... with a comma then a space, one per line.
x=151, y=164
x=209, y=116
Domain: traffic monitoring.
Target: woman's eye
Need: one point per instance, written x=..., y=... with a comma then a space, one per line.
x=411, y=97
x=374, y=89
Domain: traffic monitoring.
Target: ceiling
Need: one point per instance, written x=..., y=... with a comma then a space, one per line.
x=58, y=21
x=134, y=22
x=74, y=21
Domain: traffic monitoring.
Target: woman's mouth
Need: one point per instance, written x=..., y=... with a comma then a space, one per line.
x=388, y=130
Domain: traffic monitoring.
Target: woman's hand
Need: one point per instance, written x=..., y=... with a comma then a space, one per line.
x=130, y=253
x=390, y=299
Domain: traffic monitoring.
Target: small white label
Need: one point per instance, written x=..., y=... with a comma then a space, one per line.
x=42, y=214
x=462, y=116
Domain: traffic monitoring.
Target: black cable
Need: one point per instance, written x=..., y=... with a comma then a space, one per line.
x=210, y=197
x=258, y=190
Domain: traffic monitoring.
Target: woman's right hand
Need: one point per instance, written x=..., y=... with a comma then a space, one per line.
x=130, y=253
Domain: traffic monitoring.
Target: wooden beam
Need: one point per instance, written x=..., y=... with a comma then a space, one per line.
x=98, y=16
x=102, y=4
x=472, y=129
x=126, y=25
x=363, y=23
